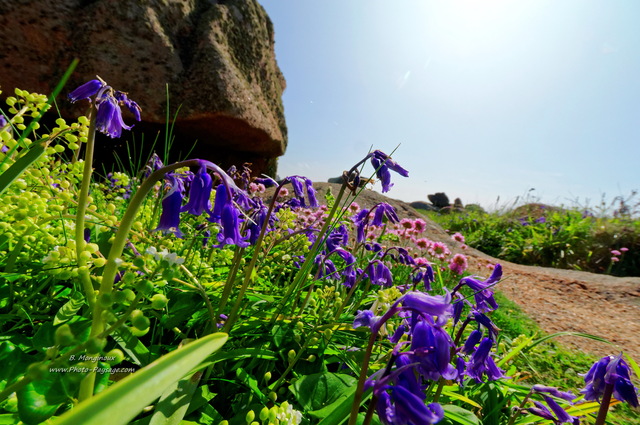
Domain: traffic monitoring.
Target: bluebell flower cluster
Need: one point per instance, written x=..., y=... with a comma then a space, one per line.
x=364, y=218
x=224, y=212
x=429, y=354
x=613, y=371
x=107, y=102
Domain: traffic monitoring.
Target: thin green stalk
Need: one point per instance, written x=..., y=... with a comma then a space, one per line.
x=111, y=267
x=231, y=279
x=249, y=271
x=518, y=409
x=357, y=397
x=85, y=279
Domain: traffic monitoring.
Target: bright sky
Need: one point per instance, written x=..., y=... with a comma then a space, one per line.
x=486, y=98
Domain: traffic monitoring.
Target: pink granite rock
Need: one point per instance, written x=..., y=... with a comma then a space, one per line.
x=217, y=58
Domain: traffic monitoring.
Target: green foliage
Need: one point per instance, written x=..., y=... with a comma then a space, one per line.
x=106, y=320
x=552, y=237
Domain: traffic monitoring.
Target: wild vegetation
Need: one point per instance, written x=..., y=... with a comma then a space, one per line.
x=597, y=240
x=182, y=294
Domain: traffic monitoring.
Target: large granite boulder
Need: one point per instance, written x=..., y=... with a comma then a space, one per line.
x=217, y=58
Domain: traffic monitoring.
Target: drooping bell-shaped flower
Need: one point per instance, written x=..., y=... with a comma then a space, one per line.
x=109, y=119
x=554, y=392
x=432, y=349
x=382, y=164
x=230, y=223
x=482, y=294
x=472, y=341
x=132, y=106
x=379, y=274
x=107, y=102
x=613, y=371
x=200, y=193
x=482, y=363
x=171, y=206
x=384, y=210
x=559, y=415
x=402, y=406
x=433, y=305
x=87, y=90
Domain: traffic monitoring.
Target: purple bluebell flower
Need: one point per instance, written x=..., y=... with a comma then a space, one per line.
x=171, y=205
x=361, y=219
x=431, y=346
x=300, y=186
x=87, y=90
x=365, y=318
x=200, y=193
x=326, y=268
x=485, y=321
x=132, y=106
x=400, y=406
x=433, y=305
x=483, y=295
x=382, y=164
x=258, y=218
x=482, y=363
x=561, y=416
x=554, y=392
x=337, y=238
x=614, y=371
x=107, y=102
x=348, y=272
x=398, y=333
x=109, y=119
x=154, y=164
x=379, y=274
x=472, y=341
x=425, y=275
x=230, y=223
x=384, y=210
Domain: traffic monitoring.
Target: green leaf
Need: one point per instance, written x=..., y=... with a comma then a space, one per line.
x=319, y=390
x=131, y=345
x=633, y=365
x=9, y=419
x=39, y=400
x=252, y=383
x=124, y=400
x=175, y=401
x=580, y=334
x=459, y=415
x=342, y=411
x=34, y=152
x=514, y=351
x=69, y=309
x=452, y=392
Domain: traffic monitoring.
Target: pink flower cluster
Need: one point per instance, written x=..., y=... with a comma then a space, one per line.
x=617, y=253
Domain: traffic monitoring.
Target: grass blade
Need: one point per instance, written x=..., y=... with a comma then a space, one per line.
x=124, y=400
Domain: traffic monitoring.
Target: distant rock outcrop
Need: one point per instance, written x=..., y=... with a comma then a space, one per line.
x=421, y=205
x=439, y=200
x=217, y=58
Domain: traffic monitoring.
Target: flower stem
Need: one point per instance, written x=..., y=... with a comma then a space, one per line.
x=111, y=267
x=357, y=397
x=604, y=404
x=81, y=210
x=302, y=273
